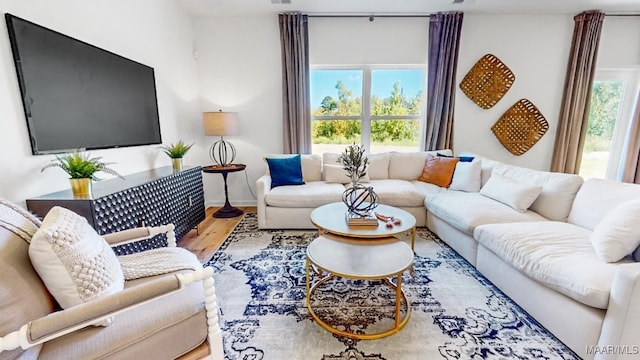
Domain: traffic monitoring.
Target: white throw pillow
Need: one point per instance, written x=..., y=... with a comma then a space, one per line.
x=336, y=174
x=467, y=176
x=74, y=262
x=618, y=233
x=509, y=192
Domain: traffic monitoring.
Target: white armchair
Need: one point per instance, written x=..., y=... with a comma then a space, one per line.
x=168, y=316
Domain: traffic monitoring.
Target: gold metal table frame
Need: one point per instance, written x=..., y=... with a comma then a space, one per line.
x=387, y=246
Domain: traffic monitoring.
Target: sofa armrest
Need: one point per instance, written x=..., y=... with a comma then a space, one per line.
x=263, y=185
x=621, y=325
x=141, y=233
x=66, y=321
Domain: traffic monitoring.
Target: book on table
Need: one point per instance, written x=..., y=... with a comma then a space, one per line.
x=368, y=219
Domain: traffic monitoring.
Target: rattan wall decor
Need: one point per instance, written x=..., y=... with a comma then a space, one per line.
x=520, y=127
x=487, y=81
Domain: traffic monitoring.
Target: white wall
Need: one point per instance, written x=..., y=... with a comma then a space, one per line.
x=239, y=70
x=536, y=49
x=156, y=33
x=619, y=46
x=358, y=41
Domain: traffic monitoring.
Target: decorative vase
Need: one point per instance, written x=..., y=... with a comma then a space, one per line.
x=177, y=164
x=81, y=187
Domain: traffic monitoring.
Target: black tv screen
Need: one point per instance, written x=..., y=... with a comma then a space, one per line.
x=78, y=96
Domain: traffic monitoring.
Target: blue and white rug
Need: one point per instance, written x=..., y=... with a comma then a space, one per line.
x=455, y=312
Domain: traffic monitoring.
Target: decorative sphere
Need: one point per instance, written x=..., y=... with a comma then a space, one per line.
x=360, y=199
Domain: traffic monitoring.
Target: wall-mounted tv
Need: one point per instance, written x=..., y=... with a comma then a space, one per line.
x=78, y=96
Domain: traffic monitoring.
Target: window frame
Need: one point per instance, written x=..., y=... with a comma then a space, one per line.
x=365, y=117
x=631, y=80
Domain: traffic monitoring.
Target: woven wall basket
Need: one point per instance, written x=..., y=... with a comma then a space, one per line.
x=520, y=127
x=487, y=81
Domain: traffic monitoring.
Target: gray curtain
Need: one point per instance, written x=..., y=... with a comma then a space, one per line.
x=630, y=167
x=444, y=41
x=296, y=99
x=574, y=113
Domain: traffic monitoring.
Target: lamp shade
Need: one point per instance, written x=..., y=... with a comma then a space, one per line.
x=221, y=123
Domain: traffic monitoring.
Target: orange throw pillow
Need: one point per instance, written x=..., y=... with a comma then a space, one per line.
x=438, y=170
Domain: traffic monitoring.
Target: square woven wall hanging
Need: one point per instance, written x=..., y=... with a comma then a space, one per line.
x=487, y=81
x=520, y=127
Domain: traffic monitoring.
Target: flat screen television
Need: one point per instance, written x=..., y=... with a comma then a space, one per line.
x=79, y=97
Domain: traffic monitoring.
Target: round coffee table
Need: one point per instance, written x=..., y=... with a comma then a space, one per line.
x=330, y=218
x=373, y=259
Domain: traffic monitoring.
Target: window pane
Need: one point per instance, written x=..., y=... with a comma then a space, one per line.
x=336, y=92
x=333, y=135
x=396, y=92
x=606, y=98
x=395, y=135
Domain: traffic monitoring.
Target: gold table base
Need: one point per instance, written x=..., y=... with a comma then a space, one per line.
x=399, y=323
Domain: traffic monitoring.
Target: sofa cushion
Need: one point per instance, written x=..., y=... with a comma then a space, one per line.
x=337, y=174
x=409, y=166
x=163, y=329
x=467, y=176
x=465, y=211
x=438, y=170
x=618, y=234
x=558, y=189
x=555, y=253
x=426, y=189
x=75, y=263
x=311, y=165
x=510, y=192
x=309, y=195
x=378, y=167
x=395, y=192
x=285, y=171
x=596, y=198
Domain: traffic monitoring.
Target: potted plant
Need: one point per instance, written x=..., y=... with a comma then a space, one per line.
x=176, y=152
x=354, y=162
x=81, y=169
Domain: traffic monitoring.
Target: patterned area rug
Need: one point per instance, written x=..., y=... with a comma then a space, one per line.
x=455, y=312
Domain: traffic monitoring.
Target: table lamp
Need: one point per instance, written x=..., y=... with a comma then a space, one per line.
x=221, y=124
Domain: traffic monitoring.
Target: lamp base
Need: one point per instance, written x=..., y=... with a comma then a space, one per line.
x=222, y=153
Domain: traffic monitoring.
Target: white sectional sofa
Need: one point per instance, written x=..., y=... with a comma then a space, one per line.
x=543, y=257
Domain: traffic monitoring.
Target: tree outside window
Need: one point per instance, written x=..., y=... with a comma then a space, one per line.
x=379, y=108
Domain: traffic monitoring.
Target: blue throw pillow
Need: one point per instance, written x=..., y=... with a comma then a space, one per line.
x=285, y=171
x=460, y=158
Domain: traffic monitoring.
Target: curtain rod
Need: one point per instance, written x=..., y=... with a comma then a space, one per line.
x=371, y=16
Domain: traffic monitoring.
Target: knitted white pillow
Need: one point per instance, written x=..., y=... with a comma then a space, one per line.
x=74, y=262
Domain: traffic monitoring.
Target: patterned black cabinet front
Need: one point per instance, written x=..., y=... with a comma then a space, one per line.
x=150, y=198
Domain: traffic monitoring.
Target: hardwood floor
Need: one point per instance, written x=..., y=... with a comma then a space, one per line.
x=211, y=233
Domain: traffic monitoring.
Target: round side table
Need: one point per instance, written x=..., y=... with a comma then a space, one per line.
x=227, y=211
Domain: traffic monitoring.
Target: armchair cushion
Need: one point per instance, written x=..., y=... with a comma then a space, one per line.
x=163, y=329
x=74, y=262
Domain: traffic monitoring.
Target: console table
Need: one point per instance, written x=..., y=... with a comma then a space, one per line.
x=149, y=198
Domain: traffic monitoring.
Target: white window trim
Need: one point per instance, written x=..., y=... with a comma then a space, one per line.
x=366, y=117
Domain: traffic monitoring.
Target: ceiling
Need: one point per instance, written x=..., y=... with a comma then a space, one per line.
x=406, y=7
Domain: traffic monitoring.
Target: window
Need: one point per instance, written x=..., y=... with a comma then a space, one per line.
x=379, y=107
x=612, y=99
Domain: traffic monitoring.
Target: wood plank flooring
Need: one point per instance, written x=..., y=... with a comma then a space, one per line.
x=210, y=233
